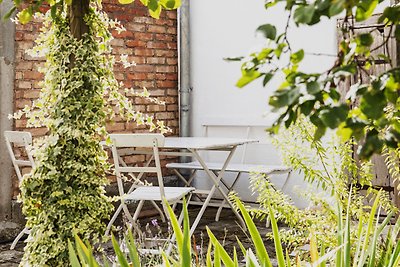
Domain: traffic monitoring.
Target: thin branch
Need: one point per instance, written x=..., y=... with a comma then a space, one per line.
x=286, y=31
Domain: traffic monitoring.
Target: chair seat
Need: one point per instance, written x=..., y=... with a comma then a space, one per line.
x=153, y=193
x=232, y=167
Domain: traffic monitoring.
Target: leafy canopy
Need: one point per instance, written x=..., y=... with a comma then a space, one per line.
x=369, y=111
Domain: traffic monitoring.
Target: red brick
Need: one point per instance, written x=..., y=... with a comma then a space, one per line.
x=118, y=126
x=172, y=61
x=137, y=76
x=144, y=52
x=155, y=60
x=136, y=27
x=35, y=75
x=156, y=29
x=24, y=85
x=135, y=43
x=171, y=14
x=157, y=45
x=165, y=37
x=144, y=36
x=153, y=108
x=167, y=84
x=166, y=69
x=165, y=53
x=122, y=35
x=21, y=103
x=144, y=68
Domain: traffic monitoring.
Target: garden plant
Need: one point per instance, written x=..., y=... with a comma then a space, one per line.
x=370, y=110
x=64, y=194
x=341, y=182
x=368, y=250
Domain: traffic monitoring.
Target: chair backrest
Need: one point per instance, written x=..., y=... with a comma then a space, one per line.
x=138, y=141
x=22, y=139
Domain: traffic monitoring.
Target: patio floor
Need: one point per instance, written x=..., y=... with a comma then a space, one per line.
x=225, y=230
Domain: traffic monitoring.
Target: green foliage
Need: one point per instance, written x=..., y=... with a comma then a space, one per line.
x=332, y=168
x=64, y=194
x=25, y=15
x=372, y=239
x=375, y=120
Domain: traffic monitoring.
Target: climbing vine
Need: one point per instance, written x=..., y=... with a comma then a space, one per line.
x=64, y=194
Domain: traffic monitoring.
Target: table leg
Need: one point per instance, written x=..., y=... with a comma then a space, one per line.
x=216, y=180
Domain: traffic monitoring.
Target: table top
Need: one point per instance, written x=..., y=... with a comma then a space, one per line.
x=204, y=143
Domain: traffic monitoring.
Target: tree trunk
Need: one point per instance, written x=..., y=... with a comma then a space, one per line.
x=76, y=13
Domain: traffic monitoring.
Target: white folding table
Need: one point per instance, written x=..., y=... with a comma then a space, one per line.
x=191, y=146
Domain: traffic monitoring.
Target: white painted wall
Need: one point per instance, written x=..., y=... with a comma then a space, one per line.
x=226, y=28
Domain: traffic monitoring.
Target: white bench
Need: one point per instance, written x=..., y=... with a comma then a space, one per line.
x=237, y=168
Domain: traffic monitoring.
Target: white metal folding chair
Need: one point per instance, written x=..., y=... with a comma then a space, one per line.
x=21, y=139
x=142, y=193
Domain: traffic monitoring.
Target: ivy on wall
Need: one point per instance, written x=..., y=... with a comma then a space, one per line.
x=64, y=194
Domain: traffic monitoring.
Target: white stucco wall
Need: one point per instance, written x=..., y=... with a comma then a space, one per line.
x=226, y=28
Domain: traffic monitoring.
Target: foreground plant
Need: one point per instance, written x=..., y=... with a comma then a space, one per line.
x=370, y=109
x=347, y=252
x=341, y=179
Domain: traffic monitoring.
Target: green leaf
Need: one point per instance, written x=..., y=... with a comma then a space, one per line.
x=73, y=259
x=10, y=13
x=285, y=97
x=372, y=145
x=25, y=15
x=176, y=228
x=247, y=77
x=186, y=251
x=304, y=14
x=268, y=30
x=155, y=13
x=365, y=39
x=219, y=250
x=313, y=87
x=168, y=4
x=277, y=241
x=336, y=7
x=133, y=252
x=153, y=5
x=125, y=2
x=307, y=107
x=332, y=117
x=261, y=251
x=267, y=78
x=365, y=8
x=121, y=258
x=372, y=104
x=297, y=57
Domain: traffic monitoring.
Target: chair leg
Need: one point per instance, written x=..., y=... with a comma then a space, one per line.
x=19, y=236
x=138, y=209
x=217, y=216
x=129, y=216
x=163, y=219
x=114, y=217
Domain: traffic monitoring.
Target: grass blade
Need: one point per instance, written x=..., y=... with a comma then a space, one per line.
x=176, y=228
x=121, y=258
x=277, y=240
x=255, y=236
x=186, y=251
x=133, y=252
x=73, y=258
x=226, y=259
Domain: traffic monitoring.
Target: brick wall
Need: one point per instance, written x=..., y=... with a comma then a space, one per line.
x=151, y=43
